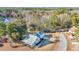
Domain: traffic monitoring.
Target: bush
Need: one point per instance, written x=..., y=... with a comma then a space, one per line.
x=2, y=28
x=17, y=27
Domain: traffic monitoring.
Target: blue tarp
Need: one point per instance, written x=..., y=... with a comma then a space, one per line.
x=40, y=34
x=39, y=39
x=31, y=40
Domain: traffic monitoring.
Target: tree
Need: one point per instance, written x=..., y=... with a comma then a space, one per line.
x=17, y=27
x=74, y=18
x=53, y=21
x=2, y=28
x=63, y=19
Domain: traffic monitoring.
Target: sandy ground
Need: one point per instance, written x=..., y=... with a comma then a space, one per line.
x=49, y=47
